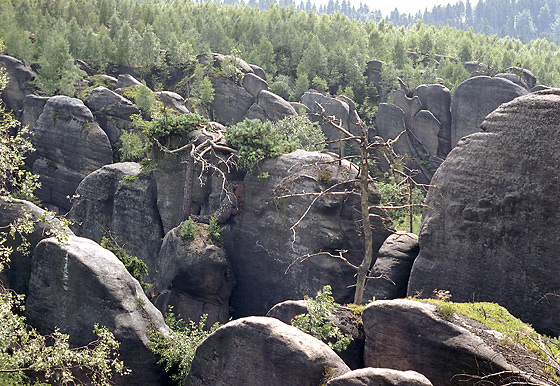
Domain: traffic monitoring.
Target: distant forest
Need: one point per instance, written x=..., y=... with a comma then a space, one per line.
x=297, y=49
x=522, y=19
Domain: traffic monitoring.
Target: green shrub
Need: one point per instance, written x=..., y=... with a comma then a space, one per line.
x=171, y=124
x=176, y=351
x=256, y=140
x=189, y=229
x=136, y=267
x=315, y=322
x=133, y=146
x=214, y=230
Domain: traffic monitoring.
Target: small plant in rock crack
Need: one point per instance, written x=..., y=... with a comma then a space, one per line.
x=214, y=230
x=189, y=229
x=315, y=322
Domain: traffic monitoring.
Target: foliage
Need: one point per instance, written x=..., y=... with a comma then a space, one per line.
x=136, y=267
x=214, y=230
x=315, y=322
x=202, y=89
x=177, y=350
x=169, y=124
x=133, y=146
x=189, y=229
x=256, y=140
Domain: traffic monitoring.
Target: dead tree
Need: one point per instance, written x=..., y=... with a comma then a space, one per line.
x=368, y=152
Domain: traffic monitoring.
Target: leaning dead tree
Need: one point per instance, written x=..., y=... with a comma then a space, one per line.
x=368, y=152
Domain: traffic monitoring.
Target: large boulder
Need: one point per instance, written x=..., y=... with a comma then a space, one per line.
x=119, y=201
x=254, y=84
x=526, y=75
x=18, y=271
x=267, y=257
x=492, y=221
x=274, y=106
x=474, y=99
x=231, y=101
x=70, y=145
x=111, y=111
x=449, y=350
x=172, y=100
x=194, y=276
x=262, y=351
x=380, y=377
x=393, y=265
x=17, y=88
x=78, y=284
x=436, y=99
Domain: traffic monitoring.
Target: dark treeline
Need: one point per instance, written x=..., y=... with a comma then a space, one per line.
x=297, y=49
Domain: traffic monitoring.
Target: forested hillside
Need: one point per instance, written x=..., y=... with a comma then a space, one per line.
x=297, y=49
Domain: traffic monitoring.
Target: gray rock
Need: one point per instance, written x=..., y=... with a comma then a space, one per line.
x=254, y=84
x=410, y=335
x=477, y=68
x=274, y=106
x=78, y=284
x=70, y=145
x=380, y=377
x=518, y=80
x=333, y=107
x=373, y=71
x=259, y=245
x=258, y=71
x=84, y=67
x=540, y=88
x=173, y=101
x=111, y=111
x=300, y=107
x=409, y=106
x=194, y=277
x=526, y=75
x=125, y=210
x=393, y=265
x=256, y=112
x=436, y=98
x=111, y=80
x=286, y=310
x=231, y=101
x=474, y=99
x=127, y=80
x=490, y=233
x=426, y=127
x=262, y=351
x=18, y=272
x=17, y=88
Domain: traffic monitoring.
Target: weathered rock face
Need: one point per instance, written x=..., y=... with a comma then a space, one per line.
x=127, y=80
x=474, y=99
x=231, y=102
x=380, y=377
x=393, y=266
x=491, y=233
x=111, y=111
x=262, y=351
x=16, y=90
x=125, y=210
x=70, y=145
x=333, y=107
x=173, y=101
x=410, y=335
x=436, y=99
x=274, y=106
x=194, y=277
x=254, y=84
x=286, y=310
x=259, y=245
x=76, y=285
x=518, y=80
x=526, y=75
x=18, y=272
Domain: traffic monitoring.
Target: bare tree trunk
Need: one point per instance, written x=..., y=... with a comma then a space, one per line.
x=367, y=261
x=410, y=207
x=187, y=192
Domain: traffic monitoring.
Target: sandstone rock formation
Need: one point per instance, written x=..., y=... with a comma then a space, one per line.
x=17, y=88
x=111, y=111
x=69, y=145
x=491, y=228
x=173, y=101
x=393, y=265
x=123, y=210
x=78, y=284
x=410, y=335
x=194, y=277
x=262, y=351
x=474, y=99
x=380, y=377
x=260, y=247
